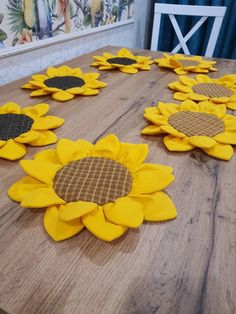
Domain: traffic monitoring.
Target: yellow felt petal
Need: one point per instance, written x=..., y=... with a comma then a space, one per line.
x=39, y=77
x=68, y=151
x=152, y=130
x=157, y=207
x=45, y=138
x=128, y=70
x=22, y=187
x=198, y=97
x=62, y=95
x=203, y=78
x=169, y=129
x=75, y=210
x=75, y=90
x=48, y=122
x=218, y=111
x=41, y=197
x=2, y=143
x=12, y=150
x=125, y=53
x=40, y=170
x=229, y=122
x=10, y=107
x=132, y=154
x=180, y=96
x=90, y=92
x=231, y=105
x=156, y=118
x=28, y=86
x=59, y=230
x=151, y=178
x=108, y=146
x=220, y=151
x=96, y=223
x=108, y=55
x=38, y=110
x=51, y=72
x=187, y=80
x=168, y=109
x=202, y=141
x=177, y=144
x=37, y=84
x=189, y=105
x=220, y=100
x=48, y=155
x=125, y=212
x=85, y=146
x=90, y=76
x=39, y=92
x=227, y=137
x=96, y=84
x=27, y=137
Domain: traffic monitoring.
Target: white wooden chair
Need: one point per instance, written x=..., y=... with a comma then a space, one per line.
x=192, y=10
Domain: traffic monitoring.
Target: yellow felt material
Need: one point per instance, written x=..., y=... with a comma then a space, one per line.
x=27, y=137
x=108, y=146
x=39, y=77
x=2, y=143
x=39, y=92
x=48, y=122
x=38, y=110
x=132, y=155
x=152, y=130
x=150, y=178
x=57, y=229
x=12, y=150
x=230, y=122
x=220, y=151
x=129, y=70
x=40, y=170
x=172, y=131
x=62, y=96
x=202, y=141
x=42, y=197
x=177, y=144
x=22, y=187
x=157, y=207
x=96, y=223
x=45, y=138
x=67, y=150
x=75, y=210
x=48, y=155
x=10, y=107
x=189, y=105
x=125, y=212
x=90, y=92
x=228, y=137
x=167, y=110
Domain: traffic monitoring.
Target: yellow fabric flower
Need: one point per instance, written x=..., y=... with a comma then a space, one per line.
x=104, y=187
x=191, y=125
x=217, y=91
x=64, y=83
x=29, y=125
x=124, y=61
x=182, y=64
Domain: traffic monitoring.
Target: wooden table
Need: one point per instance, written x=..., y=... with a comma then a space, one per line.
x=184, y=266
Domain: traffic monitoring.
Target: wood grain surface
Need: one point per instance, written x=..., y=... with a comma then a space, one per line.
x=184, y=266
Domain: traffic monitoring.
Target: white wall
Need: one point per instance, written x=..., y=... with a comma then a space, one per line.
x=132, y=35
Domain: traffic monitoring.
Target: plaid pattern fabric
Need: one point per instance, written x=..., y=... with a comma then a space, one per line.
x=196, y=123
x=124, y=61
x=212, y=90
x=188, y=63
x=13, y=125
x=92, y=179
x=64, y=82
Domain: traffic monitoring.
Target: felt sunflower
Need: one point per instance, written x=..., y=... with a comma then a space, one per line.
x=124, y=61
x=64, y=83
x=105, y=188
x=29, y=125
x=182, y=64
x=217, y=91
x=191, y=125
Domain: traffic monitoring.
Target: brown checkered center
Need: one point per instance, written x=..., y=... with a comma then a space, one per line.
x=123, y=61
x=212, y=90
x=64, y=82
x=196, y=123
x=188, y=63
x=12, y=125
x=92, y=179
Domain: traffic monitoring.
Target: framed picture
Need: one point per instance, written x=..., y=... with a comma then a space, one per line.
x=28, y=24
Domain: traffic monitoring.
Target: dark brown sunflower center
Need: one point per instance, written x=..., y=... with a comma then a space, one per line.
x=196, y=123
x=123, y=61
x=92, y=179
x=212, y=90
x=64, y=82
x=188, y=63
x=13, y=125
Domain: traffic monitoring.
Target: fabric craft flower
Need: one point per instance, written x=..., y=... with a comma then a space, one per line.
x=64, y=83
x=191, y=125
x=218, y=91
x=28, y=125
x=182, y=64
x=104, y=187
x=124, y=61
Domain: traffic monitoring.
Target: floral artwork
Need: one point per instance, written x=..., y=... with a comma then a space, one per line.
x=24, y=21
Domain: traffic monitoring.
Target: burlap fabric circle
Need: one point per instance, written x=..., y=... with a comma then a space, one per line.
x=212, y=90
x=196, y=123
x=12, y=125
x=64, y=82
x=120, y=60
x=92, y=179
